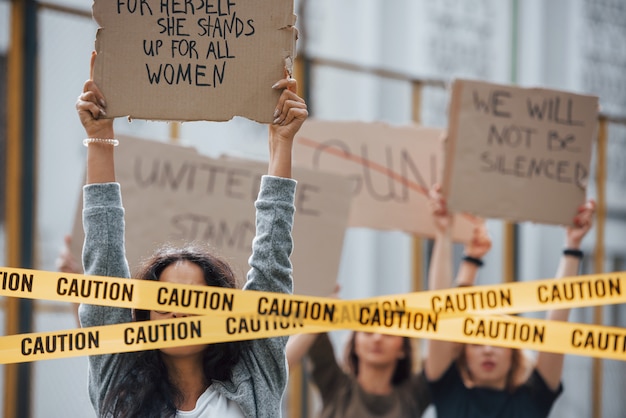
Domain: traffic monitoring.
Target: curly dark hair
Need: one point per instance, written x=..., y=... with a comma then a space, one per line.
x=146, y=390
x=404, y=366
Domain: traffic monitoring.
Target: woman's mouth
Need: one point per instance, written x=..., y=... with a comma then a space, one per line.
x=488, y=365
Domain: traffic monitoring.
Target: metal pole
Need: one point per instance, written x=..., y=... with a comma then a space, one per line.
x=599, y=255
x=510, y=230
x=509, y=251
x=417, y=282
x=21, y=188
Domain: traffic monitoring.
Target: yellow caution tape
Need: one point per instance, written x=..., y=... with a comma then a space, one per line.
x=497, y=330
x=539, y=295
x=232, y=315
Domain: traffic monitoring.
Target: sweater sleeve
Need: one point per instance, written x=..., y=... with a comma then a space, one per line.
x=103, y=255
x=271, y=271
x=272, y=245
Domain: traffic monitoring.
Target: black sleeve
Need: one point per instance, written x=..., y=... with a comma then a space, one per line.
x=541, y=393
x=451, y=379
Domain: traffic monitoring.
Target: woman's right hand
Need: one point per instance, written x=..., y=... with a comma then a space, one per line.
x=91, y=107
x=439, y=209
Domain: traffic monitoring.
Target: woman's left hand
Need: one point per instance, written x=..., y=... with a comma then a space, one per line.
x=291, y=111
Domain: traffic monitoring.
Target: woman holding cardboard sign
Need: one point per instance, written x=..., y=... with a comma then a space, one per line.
x=485, y=381
x=226, y=380
x=378, y=379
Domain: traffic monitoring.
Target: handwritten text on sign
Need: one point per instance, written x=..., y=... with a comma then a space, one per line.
x=391, y=169
x=518, y=154
x=192, y=53
x=174, y=195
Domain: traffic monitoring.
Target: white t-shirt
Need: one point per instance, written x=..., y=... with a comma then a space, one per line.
x=212, y=404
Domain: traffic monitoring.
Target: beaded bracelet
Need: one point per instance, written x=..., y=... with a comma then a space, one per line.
x=105, y=141
x=574, y=253
x=476, y=261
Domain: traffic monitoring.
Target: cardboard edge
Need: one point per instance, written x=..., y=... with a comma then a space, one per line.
x=451, y=136
x=288, y=55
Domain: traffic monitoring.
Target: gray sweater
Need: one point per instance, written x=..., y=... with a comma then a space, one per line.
x=259, y=378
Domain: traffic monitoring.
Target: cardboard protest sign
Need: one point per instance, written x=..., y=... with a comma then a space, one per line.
x=193, y=60
x=518, y=154
x=391, y=169
x=173, y=195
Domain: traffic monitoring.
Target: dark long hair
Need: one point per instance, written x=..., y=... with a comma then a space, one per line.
x=404, y=365
x=146, y=389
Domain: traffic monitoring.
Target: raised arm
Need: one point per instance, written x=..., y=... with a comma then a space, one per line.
x=440, y=271
x=91, y=111
x=103, y=222
x=272, y=245
x=270, y=264
x=440, y=353
x=66, y=263
x=297, y=348
x=474, y=251
x=290, y=114
x=550, y=365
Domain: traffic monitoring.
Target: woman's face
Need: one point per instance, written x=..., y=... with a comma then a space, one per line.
x=488, y=366
x=378, y=350
x=180, y=272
